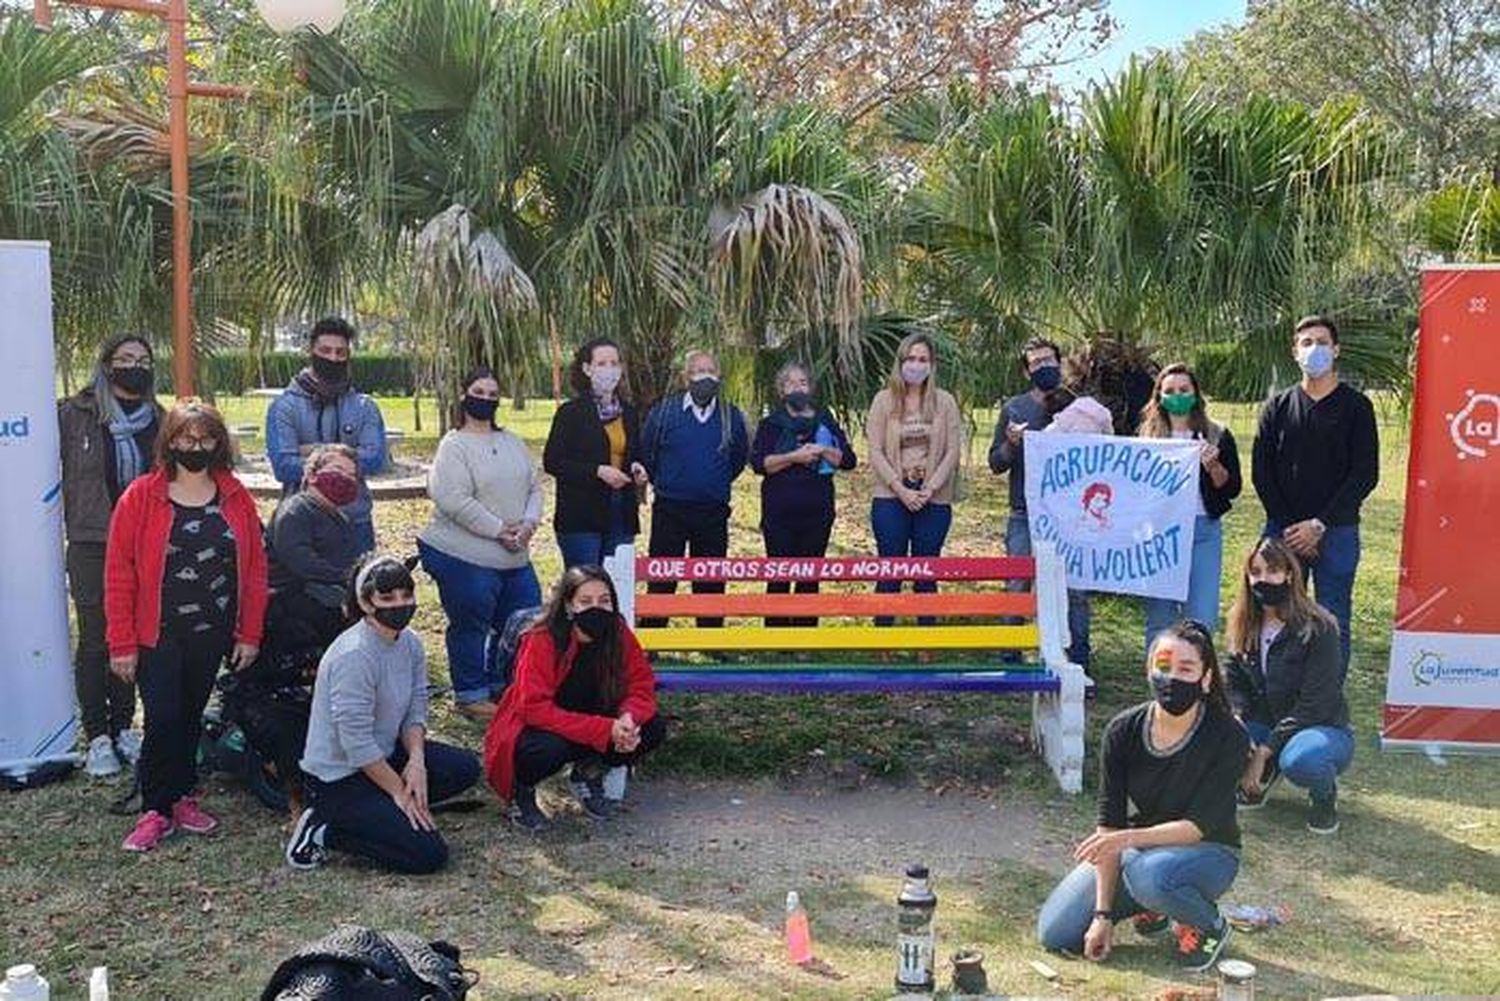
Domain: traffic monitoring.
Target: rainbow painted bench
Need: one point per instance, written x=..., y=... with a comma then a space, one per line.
x=876, y=658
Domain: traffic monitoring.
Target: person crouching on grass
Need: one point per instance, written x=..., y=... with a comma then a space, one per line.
x=583, y=693
x=184, y=589
x=1177, y=759
x=371, y=771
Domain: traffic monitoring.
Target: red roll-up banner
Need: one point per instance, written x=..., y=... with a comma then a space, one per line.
x=1443, y=690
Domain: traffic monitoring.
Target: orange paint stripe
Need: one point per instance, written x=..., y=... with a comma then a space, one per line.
x=755, y=605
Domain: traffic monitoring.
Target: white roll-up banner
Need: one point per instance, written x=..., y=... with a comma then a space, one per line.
x=37, y=721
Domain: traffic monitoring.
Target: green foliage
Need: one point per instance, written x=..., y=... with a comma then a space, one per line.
x=235, y=372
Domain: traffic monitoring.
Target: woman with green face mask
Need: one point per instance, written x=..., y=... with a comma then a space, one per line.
x=1176, y=410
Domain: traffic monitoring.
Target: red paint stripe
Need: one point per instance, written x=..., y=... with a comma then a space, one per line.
x=1442, y=723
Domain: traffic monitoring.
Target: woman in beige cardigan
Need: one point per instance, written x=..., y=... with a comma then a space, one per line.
x=915, y=438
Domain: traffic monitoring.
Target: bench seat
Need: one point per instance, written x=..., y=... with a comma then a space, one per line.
x=741, y=678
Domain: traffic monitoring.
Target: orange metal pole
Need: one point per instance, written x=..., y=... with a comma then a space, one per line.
x=183, y=362
x=41, y=14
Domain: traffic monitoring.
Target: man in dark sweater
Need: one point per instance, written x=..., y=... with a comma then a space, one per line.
x=1041, y=360
x=1316, y=458
x=692, y=456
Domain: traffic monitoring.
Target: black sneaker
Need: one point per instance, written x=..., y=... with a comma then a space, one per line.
x=527, y=813
x=1268, y=780
x=1323, y=816
x=587, y=780
x=304, y=849
x=1149, y=923
x=1198, y=949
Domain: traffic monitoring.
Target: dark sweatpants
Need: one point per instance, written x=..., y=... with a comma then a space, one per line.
x=106, y=703
x=680, y=529
x=175, y=679
x=796, y=538
x=363, y=820
x=540, y=753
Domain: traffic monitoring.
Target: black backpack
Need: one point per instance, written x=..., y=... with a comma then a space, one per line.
x=361, y=964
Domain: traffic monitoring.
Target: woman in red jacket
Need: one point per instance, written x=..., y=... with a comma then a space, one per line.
x=184, y=588
x=583, y=693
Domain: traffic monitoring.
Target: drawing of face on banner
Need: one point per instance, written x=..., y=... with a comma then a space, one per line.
x=1120, y=510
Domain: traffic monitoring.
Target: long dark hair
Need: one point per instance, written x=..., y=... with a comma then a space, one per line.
x=1155, y=422
x=1300, y=615
x=1196, y=636
x=558, y=622
x=578, y=379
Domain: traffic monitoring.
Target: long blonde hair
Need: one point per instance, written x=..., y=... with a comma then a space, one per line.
x=1301, y=614
x=896, y=385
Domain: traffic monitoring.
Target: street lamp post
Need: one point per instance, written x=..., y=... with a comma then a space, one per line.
x=325, y=16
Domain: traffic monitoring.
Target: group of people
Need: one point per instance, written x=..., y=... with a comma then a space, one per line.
x=172, y=576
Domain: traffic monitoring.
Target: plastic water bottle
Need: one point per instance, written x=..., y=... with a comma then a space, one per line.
x=99, y=984
x=824, y=437
x=798, y=932
x=23, y=983
x=915, y=941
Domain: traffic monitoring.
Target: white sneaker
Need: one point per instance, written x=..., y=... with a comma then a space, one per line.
x=101, y=760
x=128, y=744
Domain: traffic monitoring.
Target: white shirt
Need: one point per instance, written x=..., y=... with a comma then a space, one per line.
x=703, y=414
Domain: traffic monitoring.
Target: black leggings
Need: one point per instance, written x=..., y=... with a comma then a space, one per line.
x=175, y=679
x=540, y=753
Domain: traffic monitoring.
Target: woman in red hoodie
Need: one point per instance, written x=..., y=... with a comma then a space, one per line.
x=583, y=693
x=184, y=588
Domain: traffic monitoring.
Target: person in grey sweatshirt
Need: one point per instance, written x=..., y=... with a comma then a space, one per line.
x=487, y=503
x=371, y=772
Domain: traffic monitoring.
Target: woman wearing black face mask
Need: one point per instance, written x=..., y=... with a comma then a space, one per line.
x=108, y=437
x=371, y=771
x=487, y=503
x=1175, y=760
x=1286, y=683
x=184, y=589
x=797, y=449
x=584, y=693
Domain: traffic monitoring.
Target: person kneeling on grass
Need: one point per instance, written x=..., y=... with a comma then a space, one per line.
x=583, y=693
x=371, y=771
x=1286, y=681
x=1176, y=760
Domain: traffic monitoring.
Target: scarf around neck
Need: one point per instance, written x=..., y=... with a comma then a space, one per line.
x=124, y=427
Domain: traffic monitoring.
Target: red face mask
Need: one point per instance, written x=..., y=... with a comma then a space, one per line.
x=337, y=487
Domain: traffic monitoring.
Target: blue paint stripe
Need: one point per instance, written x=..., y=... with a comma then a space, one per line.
x=51, y=495
x=46, y=745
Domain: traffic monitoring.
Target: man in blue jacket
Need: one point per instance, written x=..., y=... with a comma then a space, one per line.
x=322, y=407
x=693, y=446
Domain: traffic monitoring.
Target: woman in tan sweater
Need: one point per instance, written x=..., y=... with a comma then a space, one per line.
x=915, y=439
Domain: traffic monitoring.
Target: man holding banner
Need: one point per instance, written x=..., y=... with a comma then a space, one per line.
x=1316, y=459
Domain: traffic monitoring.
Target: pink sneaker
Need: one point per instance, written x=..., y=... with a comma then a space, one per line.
x=149, y=831
x=192, y=818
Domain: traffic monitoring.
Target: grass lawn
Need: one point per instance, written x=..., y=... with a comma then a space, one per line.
x=755, y=796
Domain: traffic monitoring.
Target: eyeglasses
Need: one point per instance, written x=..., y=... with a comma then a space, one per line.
x=195, y=444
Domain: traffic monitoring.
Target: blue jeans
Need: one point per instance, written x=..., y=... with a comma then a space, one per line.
x=1181, y=881
x=590, y=548
x=1018, y=543
x=1202, y=602
x=1313, y=759
x=900, y=532
x=477, y=600
x=1332, y=574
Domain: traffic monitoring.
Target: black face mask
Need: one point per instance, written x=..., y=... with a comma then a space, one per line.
x=1270, y=595
x=799, y=400
x=135, y=381
x=595, y=623
x=194, y=460
x=1047, y=378
x=703, y=390
x=480, y=409
x=329, y=371
x=1174, y=695
x=396, y=617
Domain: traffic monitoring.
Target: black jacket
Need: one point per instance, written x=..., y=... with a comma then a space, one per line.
x=1316, y=458
x=576, y=447
x=1302, y=685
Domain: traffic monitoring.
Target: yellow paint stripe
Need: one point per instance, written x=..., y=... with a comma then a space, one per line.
x=689, y=638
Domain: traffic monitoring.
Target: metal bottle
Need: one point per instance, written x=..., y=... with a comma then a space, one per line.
x=915, y=941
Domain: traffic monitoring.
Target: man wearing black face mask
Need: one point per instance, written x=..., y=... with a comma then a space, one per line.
x=108, y=435
x=321, y=406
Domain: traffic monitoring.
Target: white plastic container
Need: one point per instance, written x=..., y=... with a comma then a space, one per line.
x=99, y=984
x=23, y=983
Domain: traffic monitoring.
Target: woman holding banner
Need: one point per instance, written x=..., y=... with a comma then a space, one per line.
x=1286, y=681
x=1177, y=410
x=915, y=435
x=797, y=449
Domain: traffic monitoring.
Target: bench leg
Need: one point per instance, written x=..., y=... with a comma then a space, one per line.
x=1058, y=725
